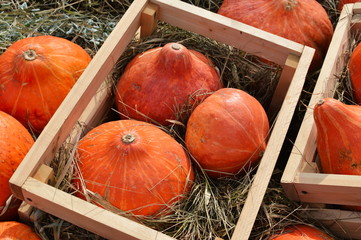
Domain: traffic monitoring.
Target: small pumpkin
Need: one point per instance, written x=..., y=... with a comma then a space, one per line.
x=355, y=72
x=341, y=3
x=35, y=76
x=17, y=230
x=135, y=166
x=227, y=132
x=305, y=21
x=338, y=136
x=301, y=232
x=15, y=142
x=163, y=83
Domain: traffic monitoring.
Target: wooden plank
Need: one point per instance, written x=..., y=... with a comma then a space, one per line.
x=86, y=215
x=328, y=188
x=265, y=169
x=148, y=20
x=356, y=7
x=228, y=31
x=284, y=81
x=311, y=167
x=78, y=98
x=344, y=224
x=24, y=211
x=45, y=174
x=305, y=145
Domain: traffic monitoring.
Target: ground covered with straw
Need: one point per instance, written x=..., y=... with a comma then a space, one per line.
x=213, y=207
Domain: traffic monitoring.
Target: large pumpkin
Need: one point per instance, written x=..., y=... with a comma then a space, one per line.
x=302, y=21
x=165, y=83
x=338, y=136
x=15, y=142
x=355, y=72
x=35, y=76
x=16, y=230
x=135, y=166
x=227, y=132
x=341, y=3
x=301, y=232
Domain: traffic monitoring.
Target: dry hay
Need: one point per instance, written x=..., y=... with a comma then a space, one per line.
x=213, y=207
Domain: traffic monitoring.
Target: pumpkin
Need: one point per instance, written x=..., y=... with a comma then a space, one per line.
x=343, y=2
x=301, y=232
x=227, y=132
x=15, y=142
x=355, y=72
x=17, y=230
x=302, y=21
x=135, y=166
x=165, y=83
x=338, y=136
x=35, y=76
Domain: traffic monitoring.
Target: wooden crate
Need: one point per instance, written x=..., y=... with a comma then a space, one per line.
x=91, y=96
x=302, y=180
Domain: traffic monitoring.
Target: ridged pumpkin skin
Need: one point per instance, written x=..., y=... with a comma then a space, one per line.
x=15, y=142
x=338, y=136
x=343, y=2
x=17, y=231
x=160, y=81
x=135, y=166
x=227, y=132
x=302, y=21
x=35, y=76
x=301, y=232
x=355, y=72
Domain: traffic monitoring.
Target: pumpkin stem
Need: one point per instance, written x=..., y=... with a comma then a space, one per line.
x=175, y=46
x=29, y=55
x=128, y=138
x=290, y=4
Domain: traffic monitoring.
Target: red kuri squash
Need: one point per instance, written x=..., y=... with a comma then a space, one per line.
x=338, y=136
x=135, y=166
x=302, y=21
x=163, y=83
x=355, y=72
x=35, y=76
x=301, y=232
x=227, y=132
x=15, y=142
x=16, y=230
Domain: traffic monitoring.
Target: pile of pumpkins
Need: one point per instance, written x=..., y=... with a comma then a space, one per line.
x=133, y=163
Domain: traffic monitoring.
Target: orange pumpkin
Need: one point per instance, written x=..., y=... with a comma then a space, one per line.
x=301, y=232
x=227, y=132
x=305, y=21
x=355, y=72
x=343, y=2
x=15, y=142
x=338, y=136
x=163, y=83
x=16, y=230
x=135, y=166
x=35, y=76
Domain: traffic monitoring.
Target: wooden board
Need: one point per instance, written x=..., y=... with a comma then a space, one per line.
x=343, y=224
x=90, y=96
